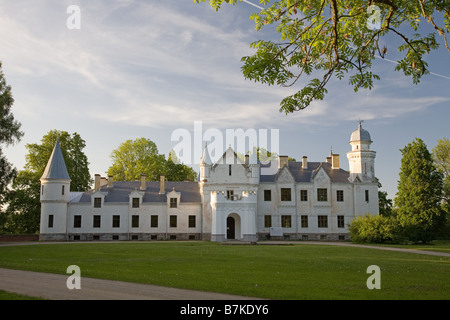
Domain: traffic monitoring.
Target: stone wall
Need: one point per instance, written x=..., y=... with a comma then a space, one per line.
x=18, y=237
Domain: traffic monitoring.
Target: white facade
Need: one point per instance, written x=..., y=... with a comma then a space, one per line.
x=233, y=199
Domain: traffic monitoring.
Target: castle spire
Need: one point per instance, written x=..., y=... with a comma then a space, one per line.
x=206, y=159
x=56, y=167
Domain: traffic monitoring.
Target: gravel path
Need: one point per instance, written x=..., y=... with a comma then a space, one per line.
x=53, y=286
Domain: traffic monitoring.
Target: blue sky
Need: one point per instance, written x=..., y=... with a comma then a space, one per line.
x=146, y=68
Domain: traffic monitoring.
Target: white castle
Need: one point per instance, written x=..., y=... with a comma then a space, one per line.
x=233, y=199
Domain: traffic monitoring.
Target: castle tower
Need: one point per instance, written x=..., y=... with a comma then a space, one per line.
x=55, y=196
x=205, y=165
x=361, y=159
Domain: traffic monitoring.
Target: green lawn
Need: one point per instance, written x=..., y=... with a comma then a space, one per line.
x=14, y=296
x=268, y=271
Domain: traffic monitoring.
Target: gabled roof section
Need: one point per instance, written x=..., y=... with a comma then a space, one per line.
x=316, y=171
x=229, y=157
x=121, y=190
x=284, y=175
x=306, y=175
x=56, y=167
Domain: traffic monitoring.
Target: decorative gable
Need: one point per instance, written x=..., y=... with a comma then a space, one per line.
x=284, y=175
x=321, y=177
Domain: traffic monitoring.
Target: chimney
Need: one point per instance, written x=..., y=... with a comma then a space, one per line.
x=335, y=161
x=103, y=181
x=282, y=161
x=304, y=162
x=143, y=182
x=162, y=187
x=97, y=182
x=110, y=181
x=328, y=159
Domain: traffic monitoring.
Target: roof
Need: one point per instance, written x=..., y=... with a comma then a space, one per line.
x=360, y=134
x=306, y=175
x=56, y=167
x=190, y=191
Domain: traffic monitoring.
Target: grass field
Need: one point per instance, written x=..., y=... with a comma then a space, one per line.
x=274, y=272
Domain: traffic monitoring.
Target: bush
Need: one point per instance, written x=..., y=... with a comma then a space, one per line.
x=375, y=229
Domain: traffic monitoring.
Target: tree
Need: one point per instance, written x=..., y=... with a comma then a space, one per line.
x=441, y=158
x=340, y=37
x=133, y=158
x=72, y=148
x=24, y=207
x=384, y=204
x=419, y=195
x=177, y=171
x=9, y=134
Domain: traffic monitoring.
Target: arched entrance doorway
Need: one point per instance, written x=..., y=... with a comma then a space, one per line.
x=231, y=228
x=234, y=227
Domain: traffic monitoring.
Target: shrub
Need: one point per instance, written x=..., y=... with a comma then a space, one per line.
x=375, y=229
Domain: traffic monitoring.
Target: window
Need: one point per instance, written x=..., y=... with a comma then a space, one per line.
x=303, y=195
x=42, y=188
x=97, y=202
x=322, y=194
x=191, y=221
x=135, y=221
x=322, y=221
x=286, y=221
x=154, y=221
x=367, y=195
x=77, y=221
x=62, y=190
x=173, y=221
x=340, y=221
x=116, y=221
x=285, y=194
x=173, y=202
x=96, y=221
x=267, y=195
x=304, y=221
x=229, y=169
x=135, y=203
x=267, y=221
x=50, y=221
x=230, y=194
x=339, y=195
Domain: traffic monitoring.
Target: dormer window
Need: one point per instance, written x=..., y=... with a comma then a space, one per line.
x=135, y=203
x=173, y=203
x=97, y=202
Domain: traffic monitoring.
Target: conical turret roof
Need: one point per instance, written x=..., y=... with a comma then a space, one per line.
x=56, y=167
